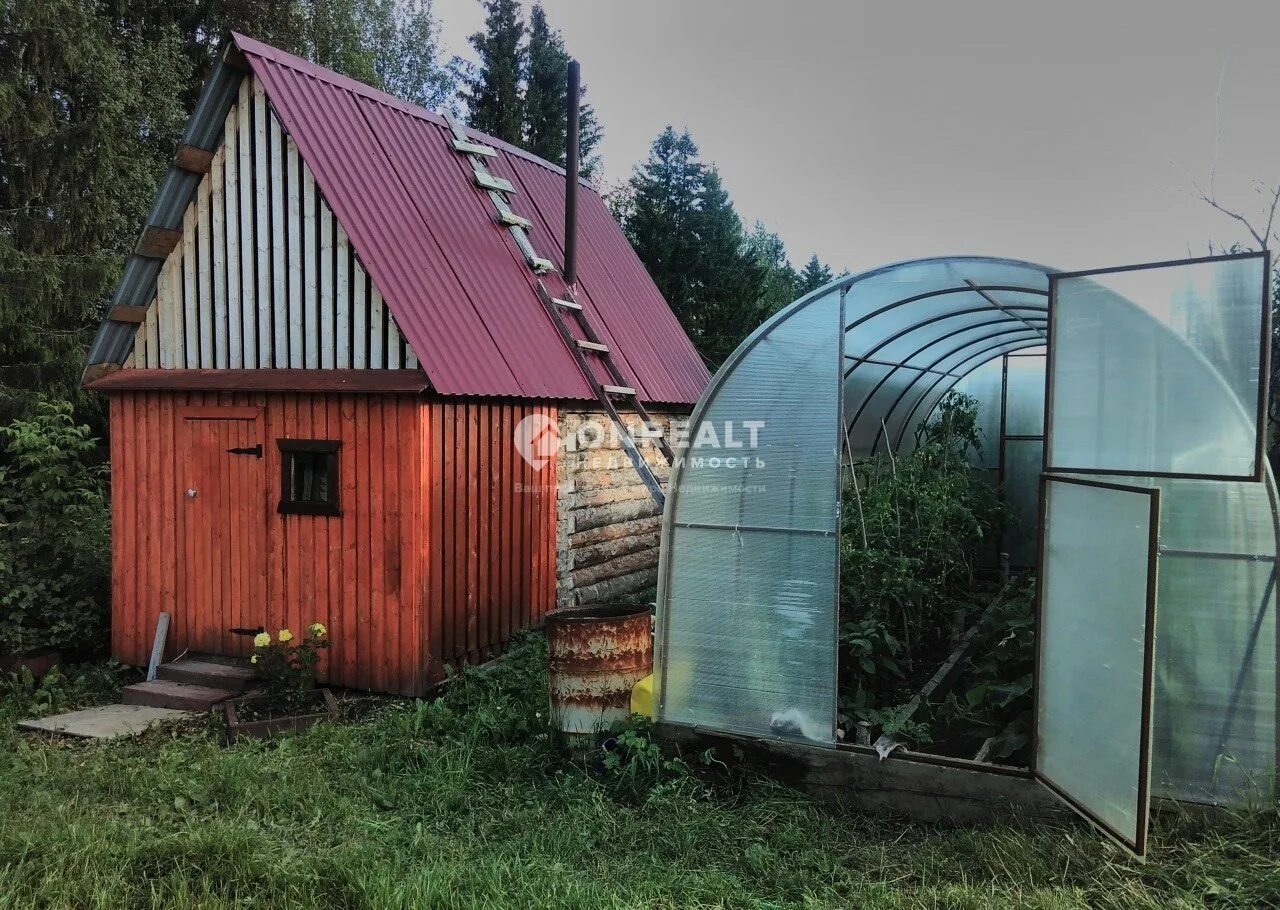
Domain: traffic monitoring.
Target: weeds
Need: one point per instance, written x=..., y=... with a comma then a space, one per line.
x=464, y=801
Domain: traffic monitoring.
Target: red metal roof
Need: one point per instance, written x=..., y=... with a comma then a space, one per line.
x=453, y=278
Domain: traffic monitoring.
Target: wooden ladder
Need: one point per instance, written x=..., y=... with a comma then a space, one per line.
x=583, y=343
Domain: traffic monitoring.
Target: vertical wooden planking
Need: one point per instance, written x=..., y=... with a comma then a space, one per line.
x=473, y=529
x=177, y=313
x=376, y=311
x=231, y=196
x=164, y=316
x=167, y=489
x=326, y=339
x=280, y=237
x=350, y=496
x=204, y=253
x=294, y=240
x=310, y=299
x=393, y=343
x=392, y=565
x=359, y=316
x=190, y=291
x=262, y=225
x=510, y=504
x=435, y=541
x=248, y=312
x=342, y=296
x=218, y=242
x=152, y=324
x=377, y=518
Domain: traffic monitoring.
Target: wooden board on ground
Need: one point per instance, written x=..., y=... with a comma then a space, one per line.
x=911, y=787
x=106, y=722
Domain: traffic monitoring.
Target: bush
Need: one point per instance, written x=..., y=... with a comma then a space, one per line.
x=912, y=528
x=55, y=539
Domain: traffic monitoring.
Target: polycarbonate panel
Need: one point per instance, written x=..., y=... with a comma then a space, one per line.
x=748, y=581
x=1024, y=409
x=1092, y=691
x=1023, y=462
x=751, y=633
x=1215, y=685
x=764, y=450
x=1155, y=370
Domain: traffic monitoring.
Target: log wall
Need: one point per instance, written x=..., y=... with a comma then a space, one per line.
x=606, y=522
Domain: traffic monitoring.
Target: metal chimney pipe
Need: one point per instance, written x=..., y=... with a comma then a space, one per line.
x=571, y=177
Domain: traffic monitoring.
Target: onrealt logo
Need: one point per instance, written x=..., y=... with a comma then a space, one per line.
x=537, y=438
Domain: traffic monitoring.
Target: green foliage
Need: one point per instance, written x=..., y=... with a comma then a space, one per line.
x=93, y=99
x=546, y=90
x=410, y=808
x=912, y=525
x=992, y=699
x=59, y=691
x=90, y=116
x=813, y=276
x=285, y=666
x=494, y=99
x=719, y=282
x=54, y=534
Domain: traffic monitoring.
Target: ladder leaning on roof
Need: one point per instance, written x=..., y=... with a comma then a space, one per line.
x=586, y=341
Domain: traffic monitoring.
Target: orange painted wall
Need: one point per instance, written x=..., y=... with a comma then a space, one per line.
x=445, y=545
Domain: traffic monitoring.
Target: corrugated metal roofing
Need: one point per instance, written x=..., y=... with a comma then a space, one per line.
x=453, y=278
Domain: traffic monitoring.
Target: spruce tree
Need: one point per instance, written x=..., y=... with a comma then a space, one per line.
x=494, y=100
x=728, y=277
x=778, y=281
x=662, y=204
x=90, y=119
x=546, y=88
x=685, y=230
x=813, y=276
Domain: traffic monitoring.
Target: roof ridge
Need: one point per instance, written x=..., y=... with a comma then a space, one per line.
x=255, y=47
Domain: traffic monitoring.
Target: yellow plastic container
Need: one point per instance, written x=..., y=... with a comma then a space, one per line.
x=642, y=697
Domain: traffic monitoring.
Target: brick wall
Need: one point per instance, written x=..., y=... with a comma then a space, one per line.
x=606, y=522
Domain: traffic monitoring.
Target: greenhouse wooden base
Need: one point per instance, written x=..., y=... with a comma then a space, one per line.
x=910, y=787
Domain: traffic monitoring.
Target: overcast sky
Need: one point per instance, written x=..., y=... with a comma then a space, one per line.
x=1069, y=133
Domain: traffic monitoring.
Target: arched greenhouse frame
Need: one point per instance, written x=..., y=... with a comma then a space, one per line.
x=1138, y=460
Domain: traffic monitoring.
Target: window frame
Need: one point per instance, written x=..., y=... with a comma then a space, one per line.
x=290, y=447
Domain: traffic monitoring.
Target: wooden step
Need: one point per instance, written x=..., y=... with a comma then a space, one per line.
x=566, y=304
x=490, y=182
x=163, y=693
x=214, y=675
x=618, y=389
x=511, y=219
x=593, y=346
x=474, y=148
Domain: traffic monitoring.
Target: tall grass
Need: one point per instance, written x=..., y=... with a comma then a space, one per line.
x=465, y=802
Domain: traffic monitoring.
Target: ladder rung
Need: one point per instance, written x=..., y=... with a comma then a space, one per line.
x=567, y=304
x=541, y=265
x=490, y=182
x=474, y=148
x=514, y=220
x=593, y=346
x=618, y=389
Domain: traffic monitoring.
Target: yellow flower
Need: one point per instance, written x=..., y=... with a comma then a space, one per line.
x=261, y=640
x=285, y=635
x=254, y=659
x=318, y=629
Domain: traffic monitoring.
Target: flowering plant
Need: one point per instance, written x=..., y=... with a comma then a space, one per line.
x=286, y=666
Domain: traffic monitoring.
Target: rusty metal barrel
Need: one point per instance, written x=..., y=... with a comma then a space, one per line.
x=596, y=654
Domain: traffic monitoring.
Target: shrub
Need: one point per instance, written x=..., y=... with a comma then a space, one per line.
x=285, y=666
x=55, y=541
x=912, y=527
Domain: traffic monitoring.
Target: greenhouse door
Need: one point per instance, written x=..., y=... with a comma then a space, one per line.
x=1094, y=653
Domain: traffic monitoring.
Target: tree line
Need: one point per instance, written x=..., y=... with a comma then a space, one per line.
x=94, y=95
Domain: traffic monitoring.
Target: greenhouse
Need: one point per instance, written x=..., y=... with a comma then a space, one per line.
x=1123, y=413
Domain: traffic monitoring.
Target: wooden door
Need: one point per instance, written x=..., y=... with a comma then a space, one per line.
x=223, y=581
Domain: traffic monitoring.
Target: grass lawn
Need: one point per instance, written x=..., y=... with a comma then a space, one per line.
x=463, y=802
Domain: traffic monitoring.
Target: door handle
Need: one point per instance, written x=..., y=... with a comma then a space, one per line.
x=191, y=494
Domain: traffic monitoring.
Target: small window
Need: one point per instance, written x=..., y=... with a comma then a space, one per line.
x=308, y=477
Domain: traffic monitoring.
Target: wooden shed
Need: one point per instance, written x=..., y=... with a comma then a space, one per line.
x=332, y=363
